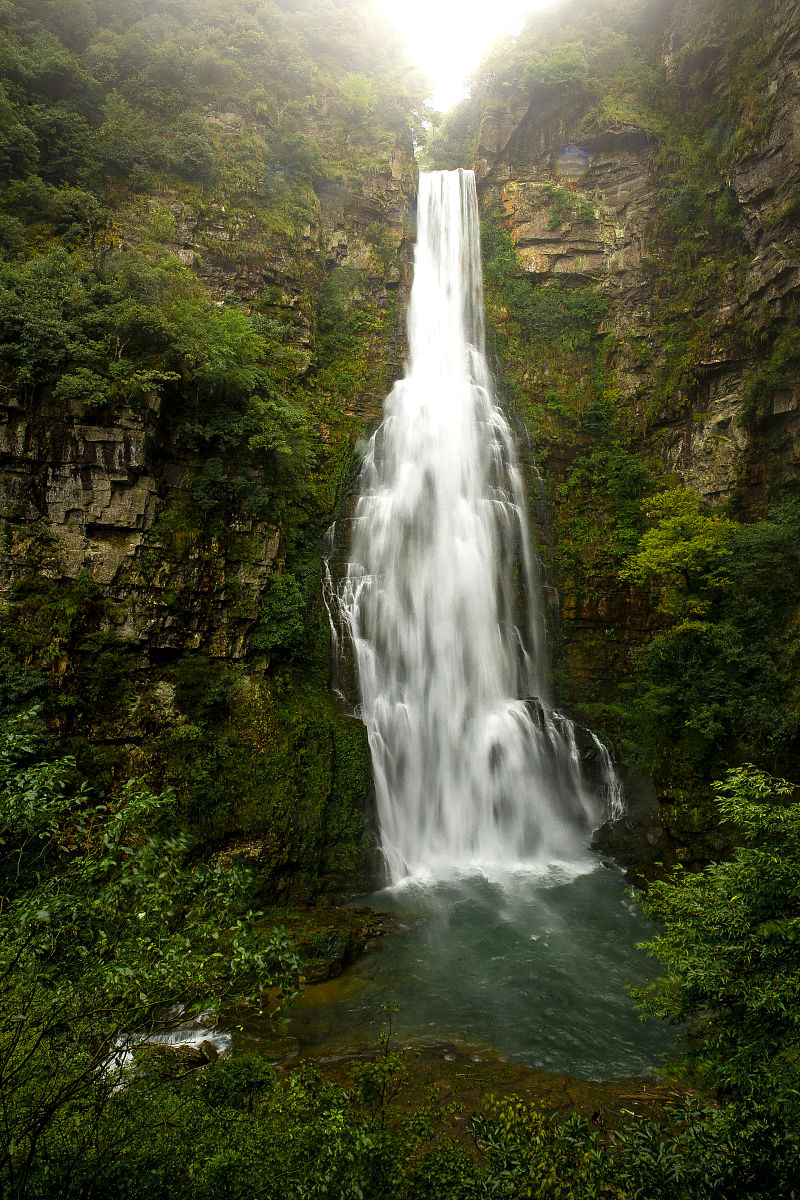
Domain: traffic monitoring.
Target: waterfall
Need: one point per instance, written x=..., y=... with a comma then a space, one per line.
x=474, y=768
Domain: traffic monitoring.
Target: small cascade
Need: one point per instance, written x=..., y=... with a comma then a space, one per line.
x=330, y=600
x=609, y=785
x=474, y=768
x=200, y=1033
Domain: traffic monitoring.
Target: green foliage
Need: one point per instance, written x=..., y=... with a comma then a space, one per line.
x=130, y=100
x=685, y=552
x=92, y=940
x=249, y=435
x=345, y=328
x=114, y=124
x=228, y=1132
x=353, y=356
x=281, y=626
x=234, y=1130
x=564, y=204
x=594, y=66
x=714, y=681
x=719, y=684
x=699, y=255
x=600, y=517
x=599, y=66
x=559, y=370
x=450, y=139
x=269, y=758
x=147, y=332
x=551, y=314
x=528, y=1153
x=559, y=59
x=380, y=1079
x=56, y=635
x=122, y=125
x=238, y=1082
x=106, y=916
x=746, y=45
x=730, y=949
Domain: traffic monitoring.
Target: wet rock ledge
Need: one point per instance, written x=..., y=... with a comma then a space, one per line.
x=329, y=939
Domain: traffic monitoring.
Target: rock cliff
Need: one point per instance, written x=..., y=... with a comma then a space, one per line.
x=607, y=231
x=205, y=227
x=638, y=170
x=104, y=487
x=205, y=239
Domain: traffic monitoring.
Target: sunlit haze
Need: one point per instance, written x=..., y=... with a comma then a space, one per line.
x=448, y=39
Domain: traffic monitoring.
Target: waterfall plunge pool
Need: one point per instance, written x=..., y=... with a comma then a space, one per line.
x=531, y=966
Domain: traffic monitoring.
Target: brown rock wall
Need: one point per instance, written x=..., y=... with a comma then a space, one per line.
x=100, y=488
x=713, y=444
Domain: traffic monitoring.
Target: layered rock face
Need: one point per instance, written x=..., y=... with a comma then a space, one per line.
x=102, y=487
x=608, y=235
x=205, y=244
x=641, y=168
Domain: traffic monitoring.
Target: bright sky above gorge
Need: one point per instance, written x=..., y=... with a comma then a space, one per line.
x=448, y=38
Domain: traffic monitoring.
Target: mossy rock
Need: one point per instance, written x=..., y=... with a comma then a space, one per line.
x=328, y=938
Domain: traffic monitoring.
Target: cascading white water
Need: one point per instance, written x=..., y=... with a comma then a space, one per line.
x=473, y=767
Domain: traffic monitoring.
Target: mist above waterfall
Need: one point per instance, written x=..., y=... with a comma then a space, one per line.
x=474, y=768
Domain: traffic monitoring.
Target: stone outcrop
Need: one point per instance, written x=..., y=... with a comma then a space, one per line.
x=101, y=489
x=714, y=445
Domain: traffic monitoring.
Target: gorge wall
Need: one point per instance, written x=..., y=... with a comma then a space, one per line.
x=206, y=227
x=639, y=168
x=206, y=247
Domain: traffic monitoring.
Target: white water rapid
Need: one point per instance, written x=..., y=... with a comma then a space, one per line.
x=474, y=769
